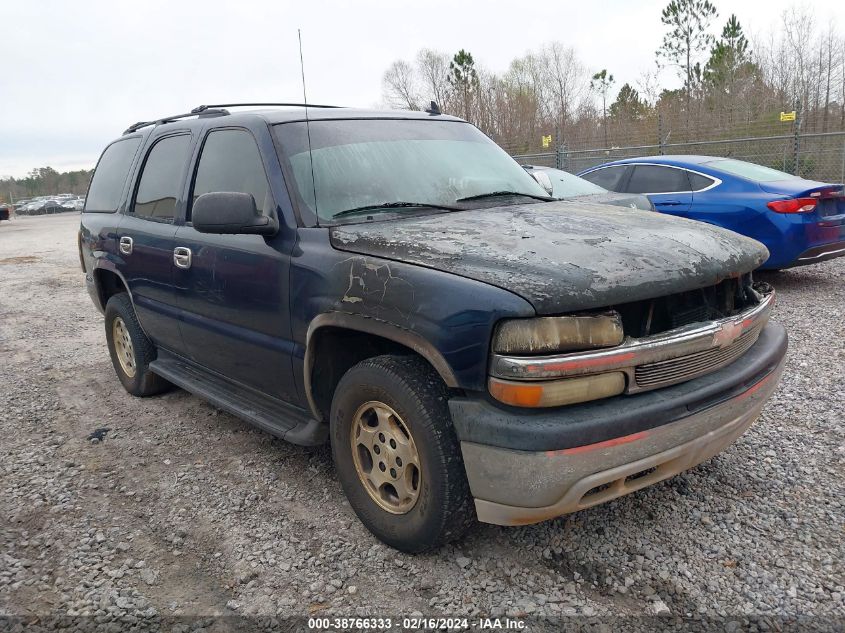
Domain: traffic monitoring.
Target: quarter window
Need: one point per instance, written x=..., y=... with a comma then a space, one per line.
x=656, y=179
x=110, y=176
x=231, y=161
x=699, y=182
x=609, y=177
x=162, y=178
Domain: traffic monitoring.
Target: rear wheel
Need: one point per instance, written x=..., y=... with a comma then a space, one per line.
x=396, y=453
x=130, y=349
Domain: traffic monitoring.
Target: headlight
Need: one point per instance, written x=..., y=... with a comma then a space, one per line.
x=556, y=393
x=543, y=335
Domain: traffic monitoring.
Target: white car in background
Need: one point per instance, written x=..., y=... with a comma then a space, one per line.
x=74, y=204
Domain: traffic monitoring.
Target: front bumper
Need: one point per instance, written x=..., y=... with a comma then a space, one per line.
x=525, y=468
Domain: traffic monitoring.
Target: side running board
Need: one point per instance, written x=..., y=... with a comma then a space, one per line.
x=278, y=418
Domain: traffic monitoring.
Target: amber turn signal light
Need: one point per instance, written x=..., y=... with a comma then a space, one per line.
x=556, y=393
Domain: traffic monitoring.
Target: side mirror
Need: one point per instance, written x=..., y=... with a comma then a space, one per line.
x=230, y=213
x=543, y=179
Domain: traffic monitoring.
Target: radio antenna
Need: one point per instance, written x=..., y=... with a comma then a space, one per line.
x=307, y=122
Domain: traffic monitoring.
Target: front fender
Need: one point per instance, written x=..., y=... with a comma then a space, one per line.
x=446, y=318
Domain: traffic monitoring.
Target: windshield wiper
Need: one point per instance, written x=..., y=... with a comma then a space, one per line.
x=496, y=194
x=393, y=205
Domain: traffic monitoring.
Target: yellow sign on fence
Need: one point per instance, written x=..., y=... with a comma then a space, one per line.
x=787, y=116
x=547, y=140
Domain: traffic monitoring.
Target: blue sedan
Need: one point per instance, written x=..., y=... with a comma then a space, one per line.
x=800, y=221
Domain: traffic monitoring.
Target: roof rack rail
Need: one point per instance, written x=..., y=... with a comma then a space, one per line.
x=215, y=110
x=204, y=112
x=203, y=108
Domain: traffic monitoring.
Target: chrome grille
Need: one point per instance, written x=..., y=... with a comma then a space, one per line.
x=687, y=367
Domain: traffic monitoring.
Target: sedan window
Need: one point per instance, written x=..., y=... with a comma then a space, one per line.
x=657, y=179
x=699, y=182
x=607, y=177
x=751, y=171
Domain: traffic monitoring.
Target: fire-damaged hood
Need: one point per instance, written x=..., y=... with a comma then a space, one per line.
x=562, y=256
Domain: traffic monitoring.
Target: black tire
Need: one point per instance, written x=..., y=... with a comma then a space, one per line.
x=144, y=382
x=444, y=508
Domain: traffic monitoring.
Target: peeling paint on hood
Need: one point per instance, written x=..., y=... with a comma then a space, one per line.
x=563, y=256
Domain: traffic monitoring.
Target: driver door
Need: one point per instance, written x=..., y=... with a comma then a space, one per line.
x=233, y=289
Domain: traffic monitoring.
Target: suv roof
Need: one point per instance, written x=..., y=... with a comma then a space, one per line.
x=288, y=113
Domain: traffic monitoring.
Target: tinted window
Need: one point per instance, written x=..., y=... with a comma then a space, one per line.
x=230, y=161
x=655, y=179
x=699, y=182
x=161, y=181
x=110, y=176
x=608, y=177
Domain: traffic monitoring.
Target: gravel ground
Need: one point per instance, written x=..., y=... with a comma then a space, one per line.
x=183, y=510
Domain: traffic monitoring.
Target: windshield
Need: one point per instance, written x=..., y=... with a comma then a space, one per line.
x=750, y=171
x=399, y=165
x=566, y=185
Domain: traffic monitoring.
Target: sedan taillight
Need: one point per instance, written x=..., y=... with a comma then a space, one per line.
x=793, y=205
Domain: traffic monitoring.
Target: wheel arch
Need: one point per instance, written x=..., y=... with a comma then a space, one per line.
x=361, y=337
x=109, y=282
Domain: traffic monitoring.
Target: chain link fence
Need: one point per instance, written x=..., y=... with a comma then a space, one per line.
x=816, y=156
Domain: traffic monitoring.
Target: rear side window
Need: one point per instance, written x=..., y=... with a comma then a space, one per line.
x=110, y=176
x=750, y=171
x=230, y=161
x=699, y=182
x=162, y=178
x=656, y=179
x=609, y=177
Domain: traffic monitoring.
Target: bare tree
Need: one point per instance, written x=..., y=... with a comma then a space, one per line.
x=433, y=70
x=399, y=86
x=565, y=81
x=798, y=30
x=831, y=50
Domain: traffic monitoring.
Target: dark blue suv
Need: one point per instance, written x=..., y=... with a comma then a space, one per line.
x=393, y=282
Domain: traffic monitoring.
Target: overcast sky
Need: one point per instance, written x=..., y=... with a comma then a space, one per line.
x=73, y=75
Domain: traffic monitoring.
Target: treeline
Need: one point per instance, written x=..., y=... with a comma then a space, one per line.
x=732, y=86
x=45, y=181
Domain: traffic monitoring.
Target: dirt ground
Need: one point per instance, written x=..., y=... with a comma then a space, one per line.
x=122, y=509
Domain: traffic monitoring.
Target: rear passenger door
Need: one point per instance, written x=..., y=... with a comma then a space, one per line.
x=145, y=237
x=233, y=291
x=667, y=187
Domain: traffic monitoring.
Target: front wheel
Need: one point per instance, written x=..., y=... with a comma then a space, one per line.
x=130, y=349
x=396, y=453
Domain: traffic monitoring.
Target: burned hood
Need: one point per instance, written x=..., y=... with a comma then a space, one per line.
x=562, y=256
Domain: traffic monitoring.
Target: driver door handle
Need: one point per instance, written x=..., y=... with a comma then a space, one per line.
x=669, y=203
x=126, y=245
x=182, y=257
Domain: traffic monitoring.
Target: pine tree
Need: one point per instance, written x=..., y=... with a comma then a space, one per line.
x=688, y=22
x=601, y=83
x=464, y=80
